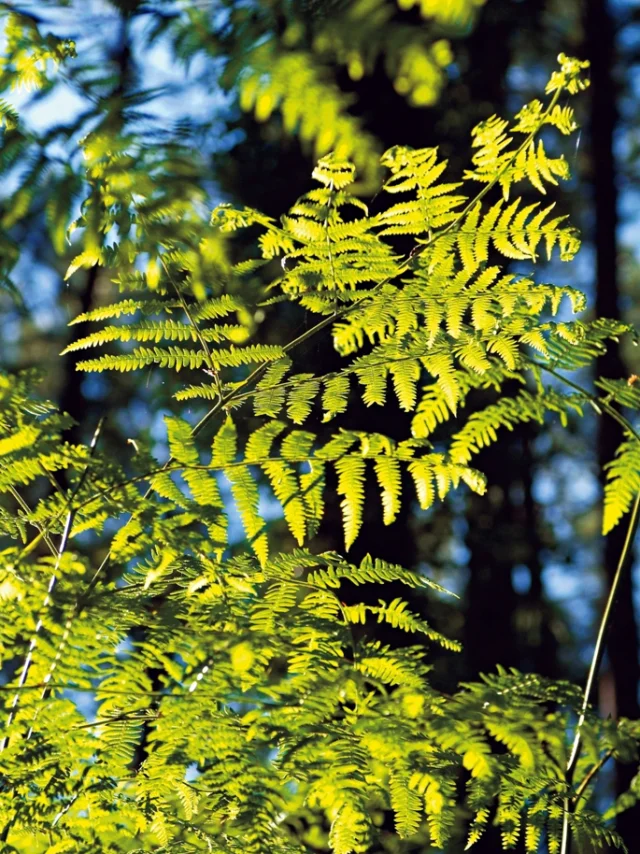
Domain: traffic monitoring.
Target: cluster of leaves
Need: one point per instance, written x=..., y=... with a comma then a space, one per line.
x=293, y=716
x=269, y=69
x=282, y=59
x=238, y=702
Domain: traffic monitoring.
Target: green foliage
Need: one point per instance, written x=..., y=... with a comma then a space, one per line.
x=255, y=711
x=291, y=73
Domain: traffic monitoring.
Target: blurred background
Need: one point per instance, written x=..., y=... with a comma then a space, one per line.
x=254, y=91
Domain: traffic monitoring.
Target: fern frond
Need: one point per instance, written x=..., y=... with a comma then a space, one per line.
x=301, y=398
x=287, y=490
x=406, y=805
x=351, y=475
x=335, y=397
x=622, y=483
x=396, y=613
x=388, y=474
x=126, y=307
x=405, y=375
x=179, y=358
x=481, y=427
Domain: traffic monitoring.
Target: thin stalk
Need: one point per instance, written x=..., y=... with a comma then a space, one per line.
x=598, y=402
x=24, y=672
x=600, y=405
x=20, y=500
x=593, y=772
x=596, y=660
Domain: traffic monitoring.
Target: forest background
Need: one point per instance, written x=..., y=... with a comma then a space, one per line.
x=527, y=560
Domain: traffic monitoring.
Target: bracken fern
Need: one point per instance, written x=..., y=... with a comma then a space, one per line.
x=272, y=724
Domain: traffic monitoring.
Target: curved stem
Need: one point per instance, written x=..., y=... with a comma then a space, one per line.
x=591, y=774
x=64, y=540
x=596, y=660
x=600, y=404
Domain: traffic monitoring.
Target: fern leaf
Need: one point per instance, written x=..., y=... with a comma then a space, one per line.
x=312, y=487
x=126, y=307
x=387, y=471
x=335, y=396
x=374, y=380
x=260, y=442
x=246, y=496
x=351, y=475
x=506, y=348
x=422, y=474
x=622, y=483
x=478, y=827
x=301, y=399
x=406, y=805
x=287, y=490
x=225, y=444
x=467, y=239
x=405, y=375
x=501, y=236
x=181, y=443
x=350, y=830
x=441, y=366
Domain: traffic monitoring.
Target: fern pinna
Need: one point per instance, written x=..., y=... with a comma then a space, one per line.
x=275, y=723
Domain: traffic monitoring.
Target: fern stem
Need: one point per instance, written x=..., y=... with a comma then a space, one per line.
x=588, y=777
x=26, y=666
x=593, y=398
x=599, y=648
x=170, y=467
x=345, y=372
x=45, y=535
x=326, y=231
x=596, y=660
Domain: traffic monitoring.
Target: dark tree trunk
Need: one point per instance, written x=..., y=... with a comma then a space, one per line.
x=622, y=647
x=489, y=633
x=72, y=400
